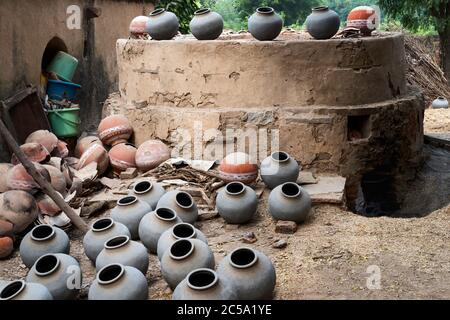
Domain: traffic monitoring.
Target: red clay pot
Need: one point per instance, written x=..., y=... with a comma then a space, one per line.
x=138, y=26
x=61, y=150
x=44, y=137
x=35, y=152
x=85, y=143
x=95, y=153
x=4, y=168
x=362, y=18
x=18, y=178
x=6, y=247
x=151, y=154
x=46, y=205
x=237, y=166
x=6, y=228
x=115, y=129
x=122, y=157
x=57, y=178
x=19, y=208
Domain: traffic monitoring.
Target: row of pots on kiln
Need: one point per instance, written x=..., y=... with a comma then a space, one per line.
x=264, y=25
x=187, y=264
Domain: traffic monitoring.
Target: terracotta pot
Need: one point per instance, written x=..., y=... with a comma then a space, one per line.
x=122, y=250
x=6, y=247
x=279, y=168
x=289, y=202
x=250, y=273
x=19, y=179
x=179, y=231
x=46, y=205
x=238, y=167
x=265, y=24
x=44, y=137
x=95, y=153
x=363, y=18
x=115, y=129
x=162, y=25
x=322, y=23
x=4, y=168
x=35, y=152
x=149, y=192
x=182, y=203
x=61, y=150
x=138, y=26
x=237, y=203
x=42, y=240
x=129, y=211
x=151, y=154
x=183, y=257
x=57, y=179
x=84, y=143
x=21, y=290
x=118, y=282
x=122, y=157
x=204, y=284
x=19, y=208
x=153, y=225
x=101, y=231
x=55, y=271
x=6, y=228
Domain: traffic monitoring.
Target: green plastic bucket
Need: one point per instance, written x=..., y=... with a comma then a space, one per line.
x=65, y=122
x=63, y=65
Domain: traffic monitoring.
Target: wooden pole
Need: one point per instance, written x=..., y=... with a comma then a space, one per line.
x=40, y=180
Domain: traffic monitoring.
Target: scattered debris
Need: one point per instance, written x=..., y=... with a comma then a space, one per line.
x=280, y=244
x=249, y=237
x=306, y=177
x=130, y=173
x=287, y=227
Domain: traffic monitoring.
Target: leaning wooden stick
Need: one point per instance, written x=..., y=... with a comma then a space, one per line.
x=40, y=180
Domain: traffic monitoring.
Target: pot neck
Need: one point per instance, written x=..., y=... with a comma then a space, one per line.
x=235, y=189
x=110, y=274
x=320, y=9
x=243, y=258
x=181, y=249
x=12, y=290
x=265, y=10
x=202, y=279
x=43, y=233
x=102, y=225
x=184, y=231
x=127, y=201
x=47, y=265
x=291, y=190
x=143, y=187
x=166, y=214
x=202, y=11
x=117, y=242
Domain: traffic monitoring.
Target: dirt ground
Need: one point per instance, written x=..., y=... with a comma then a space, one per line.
x=437, y=120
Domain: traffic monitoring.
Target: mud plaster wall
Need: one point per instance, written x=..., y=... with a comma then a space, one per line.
x=26, y=26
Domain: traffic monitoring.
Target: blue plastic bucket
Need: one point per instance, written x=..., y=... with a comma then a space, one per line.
x=59, y=90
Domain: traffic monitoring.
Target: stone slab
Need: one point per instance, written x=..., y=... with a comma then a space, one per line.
x=327, y=190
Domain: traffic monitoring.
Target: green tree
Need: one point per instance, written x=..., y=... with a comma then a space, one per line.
x=292, y=11
x=184, y=9
x=343, y=7
x=415, y=14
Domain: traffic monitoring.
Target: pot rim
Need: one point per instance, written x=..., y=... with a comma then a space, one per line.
x=157, y=12
x=109, y=226
x=202, y=11
x=169, y=210
x=288, y=157
x=184, y=224
x=190, y=199
x=191, y=250
x=441, y=98
x=129, y=201
x=265, y=10
x=202, y=270
x=126, y=240
x=43, y=274
x=235, y=193
x=15, y=294
x=150, y=187
x=43, y=226
x=320, y=8
x=102, y=270
x=241, y=266
x=299, y=193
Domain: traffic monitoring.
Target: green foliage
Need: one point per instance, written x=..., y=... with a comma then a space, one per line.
x=184, y=9
x=343, y=7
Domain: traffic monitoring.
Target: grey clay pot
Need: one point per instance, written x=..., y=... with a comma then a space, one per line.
x=440, y=103
x=237, y=203
x=154, y=224
x=183, y=257
x=122, y=250
x=149, y=192
x=289, y=202
x=119, y=282
x=21, y=290
x=250, y=273
x=206, y=24
x=129, y=211
x=179, y=231
x=265, y=24
x=101, y=231
x=41, y=240
x=55, y=271
x=323, y=23
x=279, y=168
x=204, y=284
x=182, y=203
x=162, y=25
